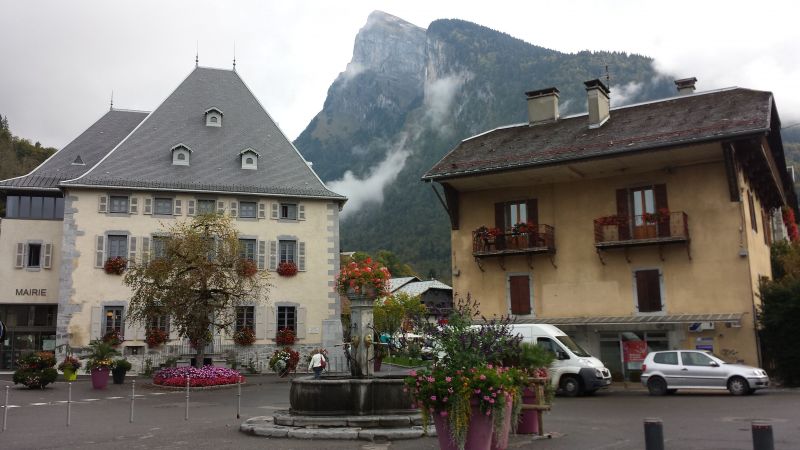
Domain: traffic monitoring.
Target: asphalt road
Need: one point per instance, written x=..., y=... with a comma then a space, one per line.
x=608, y=420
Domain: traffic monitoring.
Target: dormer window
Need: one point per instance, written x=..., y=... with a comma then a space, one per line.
x=249, y=159
x=213, y=117
x=181, y=155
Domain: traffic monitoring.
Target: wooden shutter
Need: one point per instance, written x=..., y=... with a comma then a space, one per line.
x=271, y=323
x=262, y=255
x=532, y=207
x=301, y=212
x=260, y=324
x=220, y=207
x=234, y=209
x=96, y=327
x=145, y=249
x=520, y=294
x=132, y=250
x=301, y=323
x=648, y=290
x=47, y=261
x=660, y=193
x=177, y=207
x=624, y=215
x=133, y=331
x=190, y=208
x=274, y=211
x=500, y=223
x=133, y=205
x=262, y=210
x=273, y=255
x=19, y=257
x=301, y=256
x=102, y=204
x=148, y=205
x=99, y=248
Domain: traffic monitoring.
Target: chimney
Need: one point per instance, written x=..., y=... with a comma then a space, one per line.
x=685, y=86
x=599, y=104
x=542, y=106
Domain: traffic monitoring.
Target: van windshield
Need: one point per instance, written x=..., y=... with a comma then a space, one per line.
x=572, y=346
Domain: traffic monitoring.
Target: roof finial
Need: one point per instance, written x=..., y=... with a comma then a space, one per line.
x=111, y=106
x=234, y=56
x=197, y=54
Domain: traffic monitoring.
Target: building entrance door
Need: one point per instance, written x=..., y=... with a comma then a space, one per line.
x=30, y=328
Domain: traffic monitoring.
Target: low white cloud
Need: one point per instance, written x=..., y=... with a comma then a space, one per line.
x=361, y=191
x=439, y=96
x=626, y=93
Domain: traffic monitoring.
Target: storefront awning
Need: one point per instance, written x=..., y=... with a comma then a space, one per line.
x=733, y=318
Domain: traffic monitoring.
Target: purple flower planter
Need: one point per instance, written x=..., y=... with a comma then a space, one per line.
x=529, y=418
x=479, y=431
x=100, y=378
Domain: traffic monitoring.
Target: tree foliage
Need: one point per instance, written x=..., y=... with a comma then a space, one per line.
x=780, y=308
x=392, y=312
x=198, y=282
x=17, y=155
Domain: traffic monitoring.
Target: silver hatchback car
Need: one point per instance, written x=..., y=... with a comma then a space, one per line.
x=664, y=372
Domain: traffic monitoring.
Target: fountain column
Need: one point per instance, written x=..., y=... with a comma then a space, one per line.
x=361, y=331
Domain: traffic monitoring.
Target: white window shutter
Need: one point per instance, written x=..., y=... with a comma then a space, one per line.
x=274, y=212
x=260, y=324
x=301, y=256
x=190, y=207
x=177, y=207
x=128, y=328
x=262, y=254
x=96, y=328
x=19, y=258
x=47, y=261
x=132, y=250
x=145, y=249
x=301, y=212
x=102, y=204
x=133, y=205
x=273, y=255
x=220, y=207
x=301, y=323
x=272, y=321
x=173, y=330
x=234, y=208
x=148, y=205
x=262, y=210
x=99, y=248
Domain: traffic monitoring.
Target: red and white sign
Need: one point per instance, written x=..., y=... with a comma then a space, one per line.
x=634, y=351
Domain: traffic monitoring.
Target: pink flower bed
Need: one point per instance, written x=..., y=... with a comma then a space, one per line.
x=206, y=376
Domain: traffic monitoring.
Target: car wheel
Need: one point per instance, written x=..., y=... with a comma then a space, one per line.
x=657, y=386
x=671, y=391
x=738, y=386
x=570, y=386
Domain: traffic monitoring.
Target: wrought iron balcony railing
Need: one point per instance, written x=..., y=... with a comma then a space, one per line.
x=532, y=239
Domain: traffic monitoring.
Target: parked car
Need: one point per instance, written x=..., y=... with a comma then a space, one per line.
x=664, y=372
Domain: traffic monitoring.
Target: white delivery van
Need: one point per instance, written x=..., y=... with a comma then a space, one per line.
x=575, y=371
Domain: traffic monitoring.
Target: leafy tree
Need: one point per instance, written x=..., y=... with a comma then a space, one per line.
x=392, y=262
x=199, y=281
x=392, y=312
x=780, y=308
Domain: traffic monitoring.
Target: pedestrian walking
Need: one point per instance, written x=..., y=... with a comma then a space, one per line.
x=317, y=364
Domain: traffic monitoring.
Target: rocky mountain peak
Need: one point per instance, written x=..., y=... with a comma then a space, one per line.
x=388, y=44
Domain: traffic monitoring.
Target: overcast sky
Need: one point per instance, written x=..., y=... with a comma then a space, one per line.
x=60, y=60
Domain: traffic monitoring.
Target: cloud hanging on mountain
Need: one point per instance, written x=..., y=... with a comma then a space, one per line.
x=439, y=96
x=625, y=94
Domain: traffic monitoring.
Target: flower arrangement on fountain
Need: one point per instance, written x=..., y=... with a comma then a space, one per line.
x=474, y=376
x=284, y=361
x=202, y=377
x=70, y=363
x=363, y=277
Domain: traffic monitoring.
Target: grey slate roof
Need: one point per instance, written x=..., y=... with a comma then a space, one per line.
x=676, y=121
x=144, y=159
x=420, y=287
x=90, y=146
x=397, y=283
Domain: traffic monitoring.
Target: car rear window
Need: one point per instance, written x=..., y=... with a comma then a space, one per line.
x=666, y=358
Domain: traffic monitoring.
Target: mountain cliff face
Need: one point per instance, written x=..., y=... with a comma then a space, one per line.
x=409, y=95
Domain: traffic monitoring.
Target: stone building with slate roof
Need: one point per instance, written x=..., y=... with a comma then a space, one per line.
x=649, y=222
x=209, y=147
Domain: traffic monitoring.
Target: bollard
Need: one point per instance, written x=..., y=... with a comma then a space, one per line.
x=762, y=436
x=239, y=398
x=5, y=411
x=187, y=399
x=133, y=396
x=69, y=404
x=653, y=434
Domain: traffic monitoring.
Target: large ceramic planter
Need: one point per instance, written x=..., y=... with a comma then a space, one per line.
x=118, y=376
x=500, y=438
x=100, y=378
x=479, y=431
x=70, y=375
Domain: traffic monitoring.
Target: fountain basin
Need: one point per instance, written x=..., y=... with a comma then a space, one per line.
x=347, y=396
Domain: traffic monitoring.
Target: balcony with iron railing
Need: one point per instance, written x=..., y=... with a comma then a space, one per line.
x=527, y=240
x=660, y=228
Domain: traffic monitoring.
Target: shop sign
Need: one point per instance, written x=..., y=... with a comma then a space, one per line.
x=634, y=351
x=704, y=343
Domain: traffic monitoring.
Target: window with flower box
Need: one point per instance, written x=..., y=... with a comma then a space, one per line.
x=112, y=319
x=287, y=318
x=160, y=323
x=247, y=249
x=245, y=317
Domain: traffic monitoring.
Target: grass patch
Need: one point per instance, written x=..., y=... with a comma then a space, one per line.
x=405, y=361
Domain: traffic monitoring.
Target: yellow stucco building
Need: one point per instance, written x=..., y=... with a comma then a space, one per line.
x=640, y=227
x=113, y=191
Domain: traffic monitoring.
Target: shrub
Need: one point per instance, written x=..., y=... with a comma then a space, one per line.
x=36, y=370
x=122, y=365
x=205, y=376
